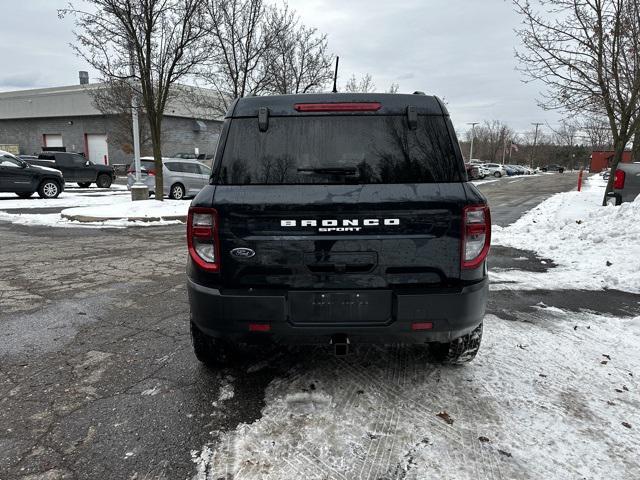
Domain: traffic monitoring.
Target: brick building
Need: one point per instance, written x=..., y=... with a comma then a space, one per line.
x=31, y=120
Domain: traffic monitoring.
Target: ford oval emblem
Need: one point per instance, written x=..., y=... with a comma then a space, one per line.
x=242, y=252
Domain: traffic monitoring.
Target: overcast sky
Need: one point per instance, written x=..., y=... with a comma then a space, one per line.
x=460, y=50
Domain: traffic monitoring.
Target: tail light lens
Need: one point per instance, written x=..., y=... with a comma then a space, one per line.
x=618, y=181
x=131, y=170
x=202, y=238
x=151, y=172
x=476, y=235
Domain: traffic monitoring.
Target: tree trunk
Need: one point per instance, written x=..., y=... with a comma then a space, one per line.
x=635, y=153
x=157, y=156
x=619, y=151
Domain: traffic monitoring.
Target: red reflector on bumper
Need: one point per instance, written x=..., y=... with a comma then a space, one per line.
x=421, y=326
x=259, y=327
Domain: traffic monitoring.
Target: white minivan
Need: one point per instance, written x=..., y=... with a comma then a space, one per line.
x=181, y=177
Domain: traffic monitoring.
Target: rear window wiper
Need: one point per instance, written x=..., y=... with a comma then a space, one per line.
x=330, y=170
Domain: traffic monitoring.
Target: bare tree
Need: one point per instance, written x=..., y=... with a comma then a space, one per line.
x=299, y=61
x=587, y=53
x=598, y=132
x=566, y=133
x=242, y=33
x=635, y=152
x=162, y=39
x=394, y=88
x=490, y=139
x=364, y=85
x=113, y=97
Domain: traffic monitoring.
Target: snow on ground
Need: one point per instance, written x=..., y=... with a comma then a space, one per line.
x=112, y=206
x=595, y=247
x=74, y=198
x=143, y=209
x=552, y=396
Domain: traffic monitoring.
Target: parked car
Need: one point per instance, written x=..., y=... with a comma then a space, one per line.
x=482, y=170
x=181, y=177
x=553, y=168
x=496, y=169
x=23, y=179
x=511, y=171
x=186, y=156
x=320, y=228
x=473, y=171
x=626, y=183
x=519, y=169
x=76, y=169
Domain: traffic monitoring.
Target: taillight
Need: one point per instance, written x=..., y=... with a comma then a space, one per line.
x=476, y=235
x=338, y=107
x=202, y=238
x=151, y=172
x=131, y=170
x=618, y=181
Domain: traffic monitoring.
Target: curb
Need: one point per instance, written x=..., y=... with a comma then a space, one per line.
x=94, y=219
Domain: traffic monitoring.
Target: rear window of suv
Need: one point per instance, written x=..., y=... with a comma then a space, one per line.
x=339, y=149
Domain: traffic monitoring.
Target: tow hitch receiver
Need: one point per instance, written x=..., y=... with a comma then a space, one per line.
x=340, y=344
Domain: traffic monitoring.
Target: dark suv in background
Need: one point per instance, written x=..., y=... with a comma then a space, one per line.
x=338, y=219
x=24, y=180
x=76, y=168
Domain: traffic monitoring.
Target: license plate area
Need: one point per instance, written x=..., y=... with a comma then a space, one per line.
x=340, y=307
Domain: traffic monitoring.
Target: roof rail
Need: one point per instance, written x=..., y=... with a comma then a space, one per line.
x=419, y=92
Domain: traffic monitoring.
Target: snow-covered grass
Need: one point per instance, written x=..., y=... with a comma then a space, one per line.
x=595, y=247
x=141, y=210
x=73, y=198
x=99, y=208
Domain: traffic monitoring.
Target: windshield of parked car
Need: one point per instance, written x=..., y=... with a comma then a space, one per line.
x=8, y=160
x=339, y=149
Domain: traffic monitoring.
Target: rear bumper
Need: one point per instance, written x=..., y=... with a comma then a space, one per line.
x=452, y=314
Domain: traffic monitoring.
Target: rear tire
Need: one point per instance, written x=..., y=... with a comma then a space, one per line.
x=84, y=184
x=49, y=189
x=497, y=174
x=459, y=351
x=104, y=181
x=211, y=351
x=176, y=192
x=24, y=194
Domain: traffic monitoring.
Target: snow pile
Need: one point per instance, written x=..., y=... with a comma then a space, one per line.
x=595, y=247
x=143, y=210
x=91, y=208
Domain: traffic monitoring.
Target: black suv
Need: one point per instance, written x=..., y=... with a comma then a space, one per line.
x=76, y=168
x=24, y=180
x=336, y=219
x=553, y=168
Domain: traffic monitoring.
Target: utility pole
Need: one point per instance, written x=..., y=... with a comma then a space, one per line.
x=139, y=190
x=535, y=141
x=473, y=135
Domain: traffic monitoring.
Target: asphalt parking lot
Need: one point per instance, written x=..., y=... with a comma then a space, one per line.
x=97, y=376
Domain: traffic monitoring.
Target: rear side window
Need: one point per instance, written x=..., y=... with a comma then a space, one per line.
x=339, y=149
x=190, y=168
x=173, y=166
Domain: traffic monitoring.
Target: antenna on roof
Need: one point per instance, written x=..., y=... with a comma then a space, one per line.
x=335, y=77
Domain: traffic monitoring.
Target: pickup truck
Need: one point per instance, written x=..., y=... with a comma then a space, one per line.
x=76, y=168
x=626, y=183
x=338, y=219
